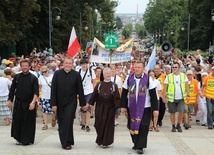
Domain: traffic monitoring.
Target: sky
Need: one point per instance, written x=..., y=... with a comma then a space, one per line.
x=130, y=6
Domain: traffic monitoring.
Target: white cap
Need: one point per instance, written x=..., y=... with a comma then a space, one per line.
x=212, y=67
x=204, y=73
x=189, y=72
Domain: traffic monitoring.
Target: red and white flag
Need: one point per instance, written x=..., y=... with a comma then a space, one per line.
x=73, y=46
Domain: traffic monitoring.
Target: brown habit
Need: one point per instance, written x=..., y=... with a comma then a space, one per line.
x=107, y=101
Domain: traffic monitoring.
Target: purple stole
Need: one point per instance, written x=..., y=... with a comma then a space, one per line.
x=136, y=108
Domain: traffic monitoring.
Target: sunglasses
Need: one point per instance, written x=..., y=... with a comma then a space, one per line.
x=44, y=72
x=174, y=67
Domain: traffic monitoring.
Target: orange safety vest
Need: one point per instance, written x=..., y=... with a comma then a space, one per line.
x=209, y=87
x=161, y=78
x=193, y=89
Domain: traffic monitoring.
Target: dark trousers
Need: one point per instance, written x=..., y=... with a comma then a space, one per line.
x=140, y=140
x=162, y=109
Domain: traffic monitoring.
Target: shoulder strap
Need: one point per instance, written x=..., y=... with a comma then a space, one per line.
x=17, y=77
x=31, y=77
x=84, y=74
x=46, y=81
x=90, y=70
x=114, y=78
x=98, y=88
x=113, y=88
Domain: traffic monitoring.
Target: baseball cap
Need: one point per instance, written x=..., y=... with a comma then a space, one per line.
x=212, y=67
x=189, y=72
x=204, y=73
x=7, y=62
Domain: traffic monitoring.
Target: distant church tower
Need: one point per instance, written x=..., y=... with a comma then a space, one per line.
x=137, y=12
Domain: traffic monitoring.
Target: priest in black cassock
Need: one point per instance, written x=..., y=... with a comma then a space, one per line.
x=65, y=87
x=26, y=89
x=142, y=99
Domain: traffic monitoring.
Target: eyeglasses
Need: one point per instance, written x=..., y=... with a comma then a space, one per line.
x=44, y=72
x=174, y=67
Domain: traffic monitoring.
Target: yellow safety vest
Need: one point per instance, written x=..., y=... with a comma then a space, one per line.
x=209, y=87
x=193, y=89
x=171, y=86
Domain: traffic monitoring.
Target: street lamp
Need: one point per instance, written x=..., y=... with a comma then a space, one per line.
x=188, y=30
x=50, y=20
x=86, y=27
x=212, y=14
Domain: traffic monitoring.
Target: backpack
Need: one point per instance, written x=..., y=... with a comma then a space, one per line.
x=112, y=88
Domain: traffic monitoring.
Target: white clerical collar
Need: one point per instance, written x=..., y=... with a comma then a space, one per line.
x=67, y=71
x=139, y=77
x=106, y=80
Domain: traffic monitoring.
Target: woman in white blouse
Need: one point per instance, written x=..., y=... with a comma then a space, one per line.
x=45, y=86
x=5, y=112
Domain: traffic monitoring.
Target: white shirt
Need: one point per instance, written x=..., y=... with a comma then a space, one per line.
x=156, y=83
x=46, y=90
x=151, y=86
x=16, y=68
x=77, y=68
x=87, y=82
x=117, y=81
x=177, y=84
x=200, y=100
x=5, y=84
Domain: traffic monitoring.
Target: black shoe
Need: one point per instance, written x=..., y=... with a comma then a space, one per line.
x=160, y=123
x=179, y=128
x=133, y=148
x=173, y=129
x=87, y=129
x=139, y=151
x=83, y=127
x=186, y=126
x=204, y=124
x=92, y=116
x=69, y=147
x=197, y=121
x=210, y=127
x=104, y=146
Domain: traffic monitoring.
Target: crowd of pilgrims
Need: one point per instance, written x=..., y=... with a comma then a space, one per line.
x=44, y=65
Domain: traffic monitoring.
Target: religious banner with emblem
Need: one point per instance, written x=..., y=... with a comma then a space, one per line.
x=101, y=55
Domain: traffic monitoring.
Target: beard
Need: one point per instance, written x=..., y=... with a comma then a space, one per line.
x=25, y=71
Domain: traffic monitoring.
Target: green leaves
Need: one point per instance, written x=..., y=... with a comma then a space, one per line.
x=168, y=16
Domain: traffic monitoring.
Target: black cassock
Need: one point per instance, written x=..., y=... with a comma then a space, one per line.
x=64, y=90
x=24, y=87
x=106, y=104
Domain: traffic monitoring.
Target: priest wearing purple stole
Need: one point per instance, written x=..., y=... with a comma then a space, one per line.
x=142, y=100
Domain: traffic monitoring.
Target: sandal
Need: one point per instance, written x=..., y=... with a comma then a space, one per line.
x=150, y=128
x=53, y=123
x=45, y=127
x=156, y=129
x=7, y=121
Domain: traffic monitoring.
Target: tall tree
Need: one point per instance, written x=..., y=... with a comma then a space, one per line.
x=17, y=17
